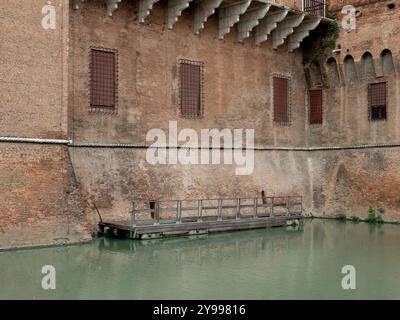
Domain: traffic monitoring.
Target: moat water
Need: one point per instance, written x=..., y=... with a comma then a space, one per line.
x=279, y=263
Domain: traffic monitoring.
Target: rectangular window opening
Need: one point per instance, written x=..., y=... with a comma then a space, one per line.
x=377, y=101
x=315, y=100
x=191, y=86
x=103, y=80
x=281, y=99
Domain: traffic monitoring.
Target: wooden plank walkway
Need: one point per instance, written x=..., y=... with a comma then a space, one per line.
x=164, y=218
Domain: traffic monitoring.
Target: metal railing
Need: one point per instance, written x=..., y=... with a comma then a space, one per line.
x=156, y=212
x=313, y=7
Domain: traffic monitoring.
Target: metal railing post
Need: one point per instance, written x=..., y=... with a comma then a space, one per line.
x=133, y=215
x=238, y=209
x=272, y=207
x=200, y=210
x=288, y=206
x=219, y=209
x=179, y=211
x=301, y=204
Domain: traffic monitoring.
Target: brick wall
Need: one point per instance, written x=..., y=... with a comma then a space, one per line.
x=39, y=197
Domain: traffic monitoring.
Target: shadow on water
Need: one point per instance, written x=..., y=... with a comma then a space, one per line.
x=223, y=239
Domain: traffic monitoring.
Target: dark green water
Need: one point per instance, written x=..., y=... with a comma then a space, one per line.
x=260, y=264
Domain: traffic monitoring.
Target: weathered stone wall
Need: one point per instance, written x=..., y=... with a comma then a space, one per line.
x=332, y=182
x=346, y=120
x=237, y=77
x=113, y=177
x=237, y=94
x=352, y=180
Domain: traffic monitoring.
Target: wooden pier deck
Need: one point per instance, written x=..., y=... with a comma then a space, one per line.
x=157, y=219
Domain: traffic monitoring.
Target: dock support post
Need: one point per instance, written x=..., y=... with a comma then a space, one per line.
x=178, y=211
x=133, y=215
x=219, y=209
x=238, y=209
x=256, y=208
x=200, y=211
x=272, y=207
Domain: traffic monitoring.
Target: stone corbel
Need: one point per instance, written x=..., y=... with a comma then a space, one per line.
x=229, y=15
x=175, y=8
x=268, y=24
x=145, y=7
x=302, y=32
x=286, y=28
x=250, y=20
x=112, y=5
x=203, y=9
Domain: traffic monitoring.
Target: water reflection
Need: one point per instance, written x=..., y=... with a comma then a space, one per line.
x=293, y=262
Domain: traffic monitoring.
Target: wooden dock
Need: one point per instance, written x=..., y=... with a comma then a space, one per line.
x=165, y=218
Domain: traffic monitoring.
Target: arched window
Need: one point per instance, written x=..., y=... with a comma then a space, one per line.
x=368, y=67
x=350, y=68
x=387, y=62
x=333, y=74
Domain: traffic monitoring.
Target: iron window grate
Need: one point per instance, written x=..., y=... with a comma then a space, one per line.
x=103, y=80
x=377, y=98
x=191, y=88
x=281, y=99
x=315, y=100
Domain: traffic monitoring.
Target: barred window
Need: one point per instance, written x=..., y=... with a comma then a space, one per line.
x=102, y=80
x=281, y=99
x=377, y=101
x=191, y=74
x=315, y=100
